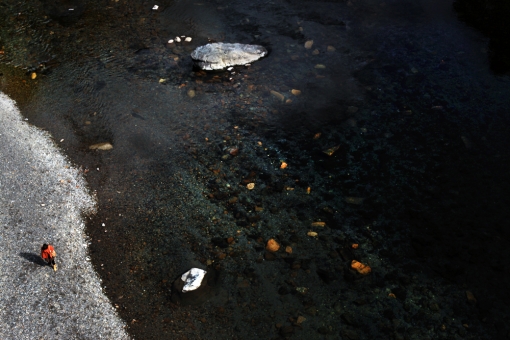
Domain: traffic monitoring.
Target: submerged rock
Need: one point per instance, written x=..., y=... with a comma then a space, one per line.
x=101, y=146
x=217, y=56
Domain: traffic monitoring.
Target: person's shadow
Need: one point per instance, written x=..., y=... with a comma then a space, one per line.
x=34, y=258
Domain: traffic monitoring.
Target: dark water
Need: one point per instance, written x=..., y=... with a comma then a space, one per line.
x=419, y=180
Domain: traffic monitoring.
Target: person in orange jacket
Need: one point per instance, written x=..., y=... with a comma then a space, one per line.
x=48, y=254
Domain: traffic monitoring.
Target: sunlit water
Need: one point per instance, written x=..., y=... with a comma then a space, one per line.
x=402, y=88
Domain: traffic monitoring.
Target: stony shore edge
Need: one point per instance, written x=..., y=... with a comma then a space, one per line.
x=43, y=199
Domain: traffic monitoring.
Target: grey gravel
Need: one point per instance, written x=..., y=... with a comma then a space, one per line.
x=42, y=199
x=217, y=56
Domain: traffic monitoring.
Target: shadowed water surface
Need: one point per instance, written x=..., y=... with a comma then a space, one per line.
x=401, y=90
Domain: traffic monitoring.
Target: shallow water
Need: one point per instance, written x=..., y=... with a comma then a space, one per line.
x=419, y=178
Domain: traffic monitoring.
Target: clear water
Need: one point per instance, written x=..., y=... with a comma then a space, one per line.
x=406, y=93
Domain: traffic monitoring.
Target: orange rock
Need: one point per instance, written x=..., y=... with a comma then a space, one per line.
x=355, y=246
x=332, y=150
x=283, y=165
x=288, y=250
x=317, y=135
x=361, y=268
x=318, y=224
x=391, y=295
x=272, y=245
x=308, y=190
x=250, y=186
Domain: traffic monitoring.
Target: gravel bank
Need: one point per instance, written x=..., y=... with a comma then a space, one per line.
x=41, y=200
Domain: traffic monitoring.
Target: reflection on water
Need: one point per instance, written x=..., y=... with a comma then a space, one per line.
x=403, y=95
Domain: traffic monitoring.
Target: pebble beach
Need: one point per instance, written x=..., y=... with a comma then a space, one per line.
x=43, y=199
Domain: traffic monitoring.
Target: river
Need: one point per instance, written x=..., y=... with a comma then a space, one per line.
x=392, y=126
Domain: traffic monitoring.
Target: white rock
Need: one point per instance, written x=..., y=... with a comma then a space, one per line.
x=218, y=56
x=188, y=39
x=155, y=7
x=193, y=279
x=171, y=41
x=177, y=39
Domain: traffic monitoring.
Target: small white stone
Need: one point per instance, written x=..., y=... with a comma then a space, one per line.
x=103, y=224
x=230, y=68
x=188, y=39
x=193, y=279
x=155, y=7
x=171, y=41
x=177, y=39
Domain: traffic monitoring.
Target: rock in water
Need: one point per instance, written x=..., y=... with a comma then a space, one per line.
x=194, y=287
x=218, y=56
x=192, y=279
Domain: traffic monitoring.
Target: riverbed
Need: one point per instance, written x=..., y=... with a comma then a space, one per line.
x=389, y=121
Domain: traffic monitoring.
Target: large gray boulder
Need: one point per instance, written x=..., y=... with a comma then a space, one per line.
x=217, y=56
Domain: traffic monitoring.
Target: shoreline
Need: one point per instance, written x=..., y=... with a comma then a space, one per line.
x=42, y=200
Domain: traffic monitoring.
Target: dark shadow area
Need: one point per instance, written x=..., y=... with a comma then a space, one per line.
x=491, y=18
x=34, y=258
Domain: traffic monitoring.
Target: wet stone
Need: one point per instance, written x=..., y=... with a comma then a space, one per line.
x=278, y=95
x=218, y=56
x=197, y=296
x=101, y=146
